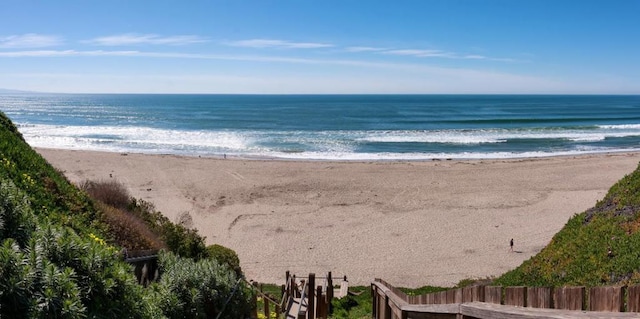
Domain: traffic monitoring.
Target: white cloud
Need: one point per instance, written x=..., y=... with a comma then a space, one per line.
x=135, y=39
x=268, y=43
x=364, y=49
x=421, y=53
x=64, y=53
x=29, y=40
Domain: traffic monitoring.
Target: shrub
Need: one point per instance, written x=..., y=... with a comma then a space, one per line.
x=200, y=289
x=112, y=192
x=180, y=240
x=129, y=230
x=136, y=224
x=16, y=218
x=225, y=256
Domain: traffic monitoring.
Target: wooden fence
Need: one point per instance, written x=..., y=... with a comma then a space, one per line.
x=145, y=263
x=308, y=297
x=390, y=302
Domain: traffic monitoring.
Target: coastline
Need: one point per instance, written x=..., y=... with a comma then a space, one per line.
x=412, y=223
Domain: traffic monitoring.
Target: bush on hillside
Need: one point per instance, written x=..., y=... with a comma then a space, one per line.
x=55, y=256
x=129, y=230
x=200, y=289
x=137, y=225
x=111, y=192
x=16, y=218
x=47, y=190
x=48, y=271
x=225, y=256
x=182, y=241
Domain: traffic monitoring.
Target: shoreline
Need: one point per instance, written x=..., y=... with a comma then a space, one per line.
x=412, y=223
x=236, y=157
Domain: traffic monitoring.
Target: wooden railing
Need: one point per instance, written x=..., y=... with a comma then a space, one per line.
x=145, y=263
x=390, y=302
x=309, y=299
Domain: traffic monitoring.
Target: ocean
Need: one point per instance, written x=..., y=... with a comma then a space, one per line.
x=330, y=127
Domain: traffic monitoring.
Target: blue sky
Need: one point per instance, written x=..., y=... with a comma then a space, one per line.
x=347, y=46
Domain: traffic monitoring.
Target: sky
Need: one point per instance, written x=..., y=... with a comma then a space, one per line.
x=321, y=46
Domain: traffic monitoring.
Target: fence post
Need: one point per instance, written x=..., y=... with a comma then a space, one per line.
x=374, y=301
x=254, y=302
x=387, y=308
x=321, y=304
x=266, y=307
x=311, y=296
x=330, y=292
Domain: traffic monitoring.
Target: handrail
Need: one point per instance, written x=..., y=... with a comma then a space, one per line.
x=285, y=295
x=264, y=296
x=302, y=295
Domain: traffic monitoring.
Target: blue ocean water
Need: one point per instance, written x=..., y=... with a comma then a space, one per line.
x=330, y=127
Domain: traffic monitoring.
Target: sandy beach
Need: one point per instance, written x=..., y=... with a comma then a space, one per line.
x=410, y=223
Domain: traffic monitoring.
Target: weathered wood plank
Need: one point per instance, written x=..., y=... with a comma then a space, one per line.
x=515, y=296
x=493, y=294
x=539, y=297
x=633, y=296
x=452, y=296
x=494, y=311
x=606, y=299
x=569, y=298
x=473, y=293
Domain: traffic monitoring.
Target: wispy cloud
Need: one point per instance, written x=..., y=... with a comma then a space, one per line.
x=206, y=56
x=444, y=54
x=421, y=53
x=269, y=43
x=364, y=49
x=418, y=53
x=137, y=39
x=64, y=53
x=29, y=40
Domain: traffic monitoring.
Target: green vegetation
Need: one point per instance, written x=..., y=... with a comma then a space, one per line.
x=225, y=256
x=358, y=305
x=598, y=247
x=60, y=250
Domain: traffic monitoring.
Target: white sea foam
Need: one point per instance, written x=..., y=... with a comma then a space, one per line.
x=337, y=156
x=454, y=137
x=621, y=127
x=130, y=138
x=323, y=145
x=490, y=136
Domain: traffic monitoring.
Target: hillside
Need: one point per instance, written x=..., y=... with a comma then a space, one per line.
x=598, y=247
x=61, y=251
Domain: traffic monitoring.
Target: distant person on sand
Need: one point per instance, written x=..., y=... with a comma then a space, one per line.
x=511, y=245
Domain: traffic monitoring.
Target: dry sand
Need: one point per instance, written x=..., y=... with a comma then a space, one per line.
x=410, y=223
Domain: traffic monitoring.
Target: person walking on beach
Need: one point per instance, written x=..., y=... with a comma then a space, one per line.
x=511, y=245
